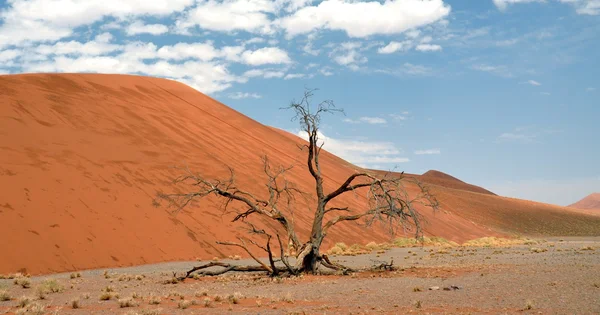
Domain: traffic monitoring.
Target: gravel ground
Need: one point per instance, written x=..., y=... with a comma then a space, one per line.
x=556, y=276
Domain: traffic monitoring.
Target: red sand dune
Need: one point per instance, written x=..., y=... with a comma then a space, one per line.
x=591, y=202
x=82, y=156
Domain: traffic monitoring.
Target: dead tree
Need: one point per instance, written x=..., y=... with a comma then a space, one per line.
x=389, y=202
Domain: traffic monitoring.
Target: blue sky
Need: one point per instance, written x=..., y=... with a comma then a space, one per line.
x=500, y=93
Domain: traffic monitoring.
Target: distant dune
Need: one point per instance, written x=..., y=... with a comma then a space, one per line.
x=83, y=155
x=591, y=202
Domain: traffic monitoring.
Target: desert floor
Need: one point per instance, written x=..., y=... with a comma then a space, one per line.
x=556, y=276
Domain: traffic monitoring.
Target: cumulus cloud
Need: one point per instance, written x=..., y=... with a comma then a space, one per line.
x=139, y=27
x=365, y=18
x=47, y=20
x=267, y=55
x=361, y=153
x=393, y=47
x=533, y=82
x=428, y=47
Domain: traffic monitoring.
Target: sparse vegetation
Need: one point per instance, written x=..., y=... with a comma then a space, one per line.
x=201, y=293
x=127, y=302
x=183, y=304
x=154, y=300
x=75, y=304
x=24, y=301
x=207, y=302
x=75, y=275
x=23, y=282
x=235, y=298
x=529, y=305
x=4, y=296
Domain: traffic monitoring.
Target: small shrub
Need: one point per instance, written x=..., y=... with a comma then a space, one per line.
x=75, y=275
x=154, y=300
x=86, y=296
x=287, y=298
x=207, y=302
x=75, y=304
x=587, y=248
x=418, y=304
x=218, y=298
x=105, y=296
x=201, y=293
x=4, y=296
x=128, y=302
x=529, y=305
x=417, y=289
x=23, y=282
x=24, y=301
x=50, y=286
x=235, y=298
x=538, y=250
x=32, y=309
x=184, y=304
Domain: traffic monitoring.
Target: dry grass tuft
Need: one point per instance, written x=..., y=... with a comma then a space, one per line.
x=24, y=301
x=529, y=305
x=75, y=275
x=128, y=302
x=590, y=248
x=49, y=286
x=154, y=300
x=201, y=293
x=23, y=282
x=218, y=298
x=207, y=302
x=288, y=298
x=32, y=309
x=4, y=296
x=538, y=250
x=235, y=298
x=497, y=241
x=184, y=304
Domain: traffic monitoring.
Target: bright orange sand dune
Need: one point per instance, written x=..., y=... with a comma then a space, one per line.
x=83, y=155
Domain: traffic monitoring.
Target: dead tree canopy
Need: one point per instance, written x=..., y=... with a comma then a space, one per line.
x=388, y=202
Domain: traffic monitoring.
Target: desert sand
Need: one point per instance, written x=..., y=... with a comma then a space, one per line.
x=591, y=202
x=83, y=155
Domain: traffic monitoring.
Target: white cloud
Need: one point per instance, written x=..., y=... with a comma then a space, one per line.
x=349, y=54
x=362, y=153
x=393, y=47
x=99, y=46
x=181, y=51
x=290, y=76
x=266, y=55
x=503, y=4
x=590, y=89
x=365, y=18
x=398, y=117
x=533, y=82
x=264, y=73
x=428, y=47
x=326, y=71
x=51, y=20
x=241, y=95
x=510, y=136
x=138, y=27
x=9, y=55
x=428, y=152
x=230, y=15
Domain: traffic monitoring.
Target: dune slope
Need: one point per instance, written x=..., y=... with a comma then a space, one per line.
x=591, y=202
x=83, y=155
